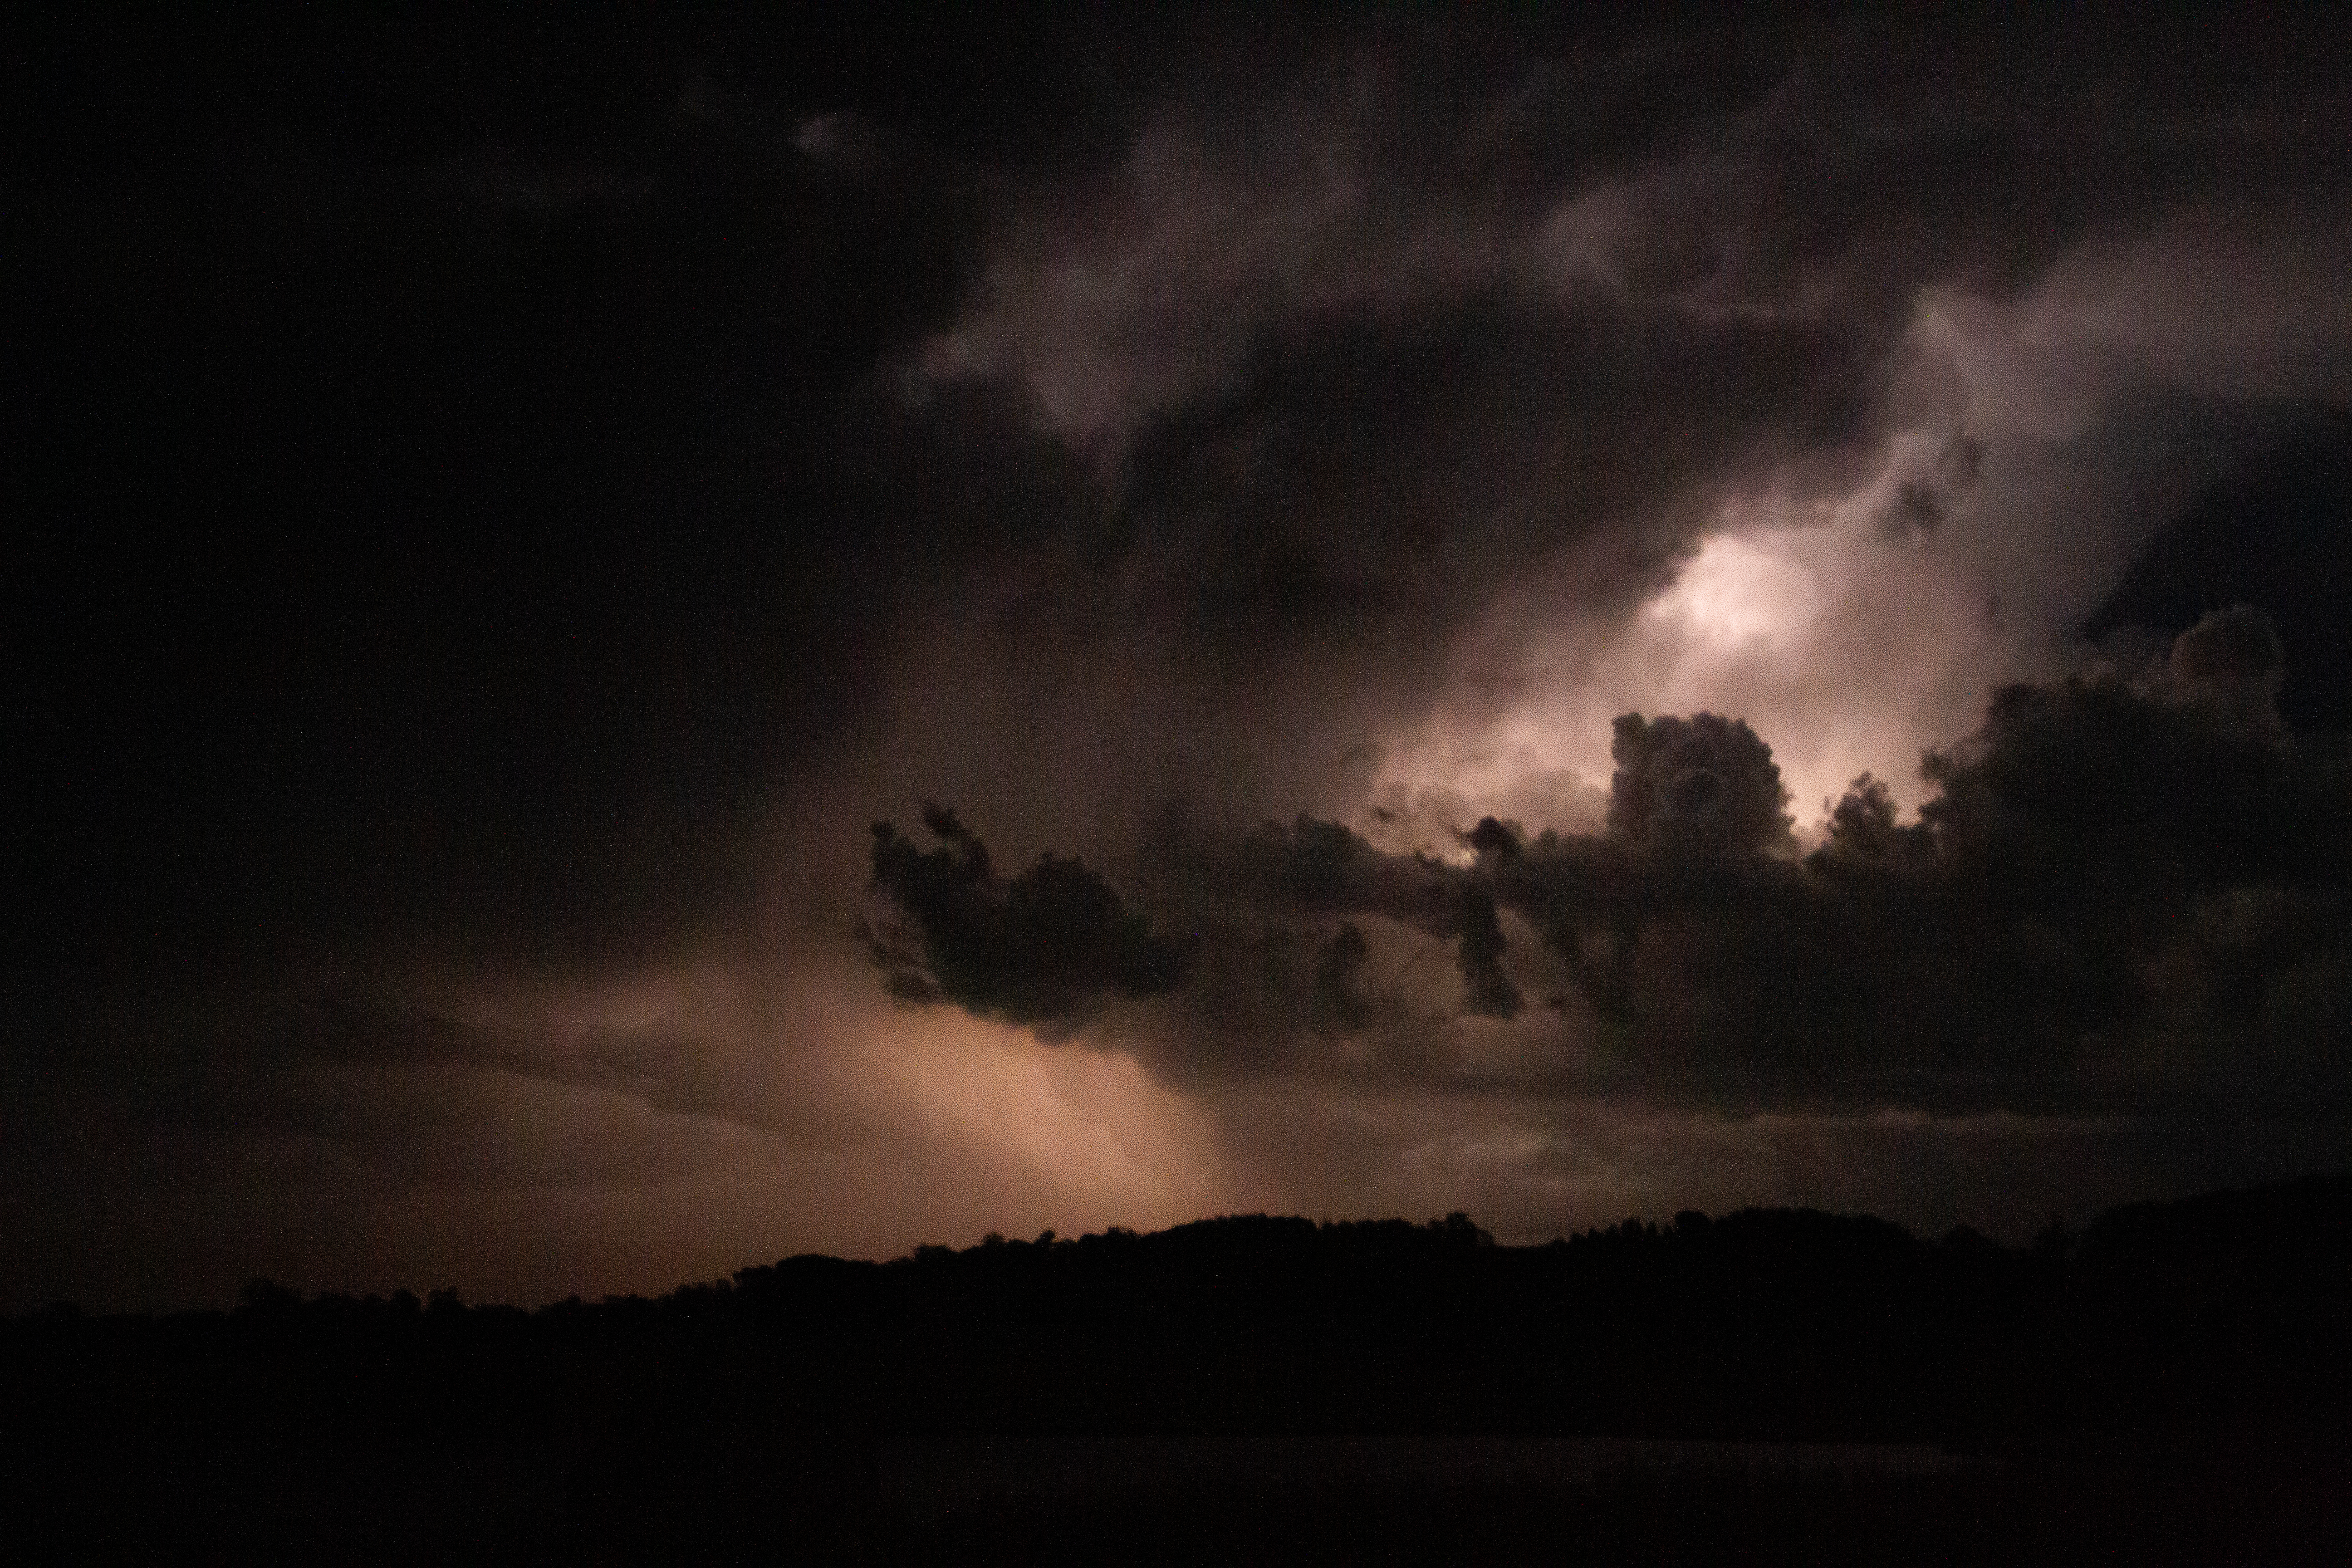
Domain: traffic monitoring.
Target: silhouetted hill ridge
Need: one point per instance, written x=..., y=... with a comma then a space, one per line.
x=1775, y=1323
x=802, y=1400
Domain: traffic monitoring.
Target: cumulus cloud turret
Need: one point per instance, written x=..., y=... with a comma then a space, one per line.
x=2121, y=899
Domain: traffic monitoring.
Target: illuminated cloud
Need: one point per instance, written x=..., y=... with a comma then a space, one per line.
x=521, y=518
x=2122, y=901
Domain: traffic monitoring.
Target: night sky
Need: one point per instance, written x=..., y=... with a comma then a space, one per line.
x=630, y=649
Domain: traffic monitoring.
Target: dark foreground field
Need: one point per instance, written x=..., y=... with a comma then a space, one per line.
x=2173, y=1385
x=1208, y=1500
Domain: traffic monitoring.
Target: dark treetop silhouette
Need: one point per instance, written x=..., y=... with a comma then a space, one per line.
x=771, y=1411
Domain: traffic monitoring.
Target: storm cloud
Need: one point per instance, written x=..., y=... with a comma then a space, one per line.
x=2125, y=896
x=1035, y=949
x=1398, y=530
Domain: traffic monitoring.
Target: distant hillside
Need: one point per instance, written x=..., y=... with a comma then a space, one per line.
x=2225, y=1318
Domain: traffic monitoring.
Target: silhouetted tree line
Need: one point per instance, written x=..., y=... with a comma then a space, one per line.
x=1768, y=1323
x=2225, y=1314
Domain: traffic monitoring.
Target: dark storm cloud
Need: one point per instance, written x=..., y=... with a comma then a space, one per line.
x=1040, y=948
x=540, y=385
x=1703, y=780
x=2125, y=898
x=516, y=500
x=1380, y=479
x=1360, y=368
x=2274, y=530
x=455, y=496
x=1469, y=337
